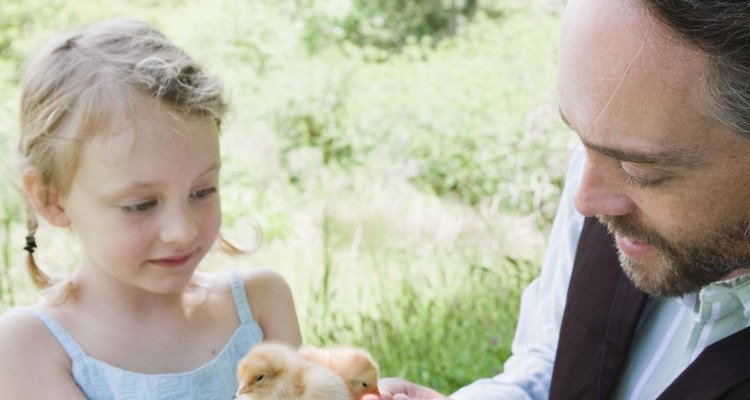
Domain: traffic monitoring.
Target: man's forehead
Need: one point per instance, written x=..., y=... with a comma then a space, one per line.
x=628, y=83
x=617, y=62
x=617, y=38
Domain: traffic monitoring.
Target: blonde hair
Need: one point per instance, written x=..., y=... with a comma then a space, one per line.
x=79, y=81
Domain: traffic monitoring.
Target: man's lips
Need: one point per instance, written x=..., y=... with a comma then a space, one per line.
x=633, y=248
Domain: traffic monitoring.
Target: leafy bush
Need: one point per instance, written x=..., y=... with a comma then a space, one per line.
x=317, y=122
x=389, y=23
x=473, y=118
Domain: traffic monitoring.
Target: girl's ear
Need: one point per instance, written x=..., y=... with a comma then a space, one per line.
x=44, y=199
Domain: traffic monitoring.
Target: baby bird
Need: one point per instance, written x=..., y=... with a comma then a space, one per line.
x=276, y=372
x=355, y=366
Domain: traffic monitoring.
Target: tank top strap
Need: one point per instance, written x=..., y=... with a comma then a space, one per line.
x=240, y=298
x=74, y=350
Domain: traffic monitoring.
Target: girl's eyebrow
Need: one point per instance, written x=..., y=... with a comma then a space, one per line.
x=134, y=185
x=670, y=157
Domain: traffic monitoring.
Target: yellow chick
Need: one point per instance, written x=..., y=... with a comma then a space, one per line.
x=276, y=372
x=355, y=366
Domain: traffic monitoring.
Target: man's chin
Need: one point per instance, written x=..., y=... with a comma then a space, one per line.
x=652, y=278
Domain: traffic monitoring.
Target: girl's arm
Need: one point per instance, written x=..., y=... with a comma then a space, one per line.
x=33, y=366
x=272, y=306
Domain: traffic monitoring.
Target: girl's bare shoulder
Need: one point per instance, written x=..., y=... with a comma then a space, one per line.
x=22, y=332
x=263, y=280
x=257, y=282
x=31, y=355
x=268, y=296
x=272, y=305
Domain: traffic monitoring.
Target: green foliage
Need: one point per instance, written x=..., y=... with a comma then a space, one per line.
x=472, y=118
x=439, y=313
x=389, y=23
x=356, y=128
x=446, y=338
x=443, y=331
x=17, y=18
x=317, y=122
x=8, y=219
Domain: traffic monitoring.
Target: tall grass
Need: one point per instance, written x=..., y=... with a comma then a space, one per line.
x=429, y=286
x=444, y=332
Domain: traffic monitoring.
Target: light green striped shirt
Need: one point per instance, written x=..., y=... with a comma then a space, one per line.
x=673, y=332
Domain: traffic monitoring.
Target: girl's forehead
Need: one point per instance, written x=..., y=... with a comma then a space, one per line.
x=148, y=142
x=142, y=122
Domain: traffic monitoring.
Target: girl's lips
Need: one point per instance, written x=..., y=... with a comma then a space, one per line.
x=173, y=261
x=634, y=249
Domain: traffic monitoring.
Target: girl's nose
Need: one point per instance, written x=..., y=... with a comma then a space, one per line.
x=179, y=226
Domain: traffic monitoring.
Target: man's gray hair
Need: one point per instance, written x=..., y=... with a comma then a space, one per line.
x=721, y=29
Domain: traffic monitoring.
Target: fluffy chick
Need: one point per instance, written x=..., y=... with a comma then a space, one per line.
x=355, y=366
x=276, y=372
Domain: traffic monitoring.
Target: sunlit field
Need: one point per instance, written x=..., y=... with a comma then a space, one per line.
x=403, y=178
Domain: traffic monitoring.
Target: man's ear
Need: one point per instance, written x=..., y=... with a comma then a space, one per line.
x=44, y=199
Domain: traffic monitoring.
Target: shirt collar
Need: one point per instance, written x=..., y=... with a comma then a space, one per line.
x=733, y=294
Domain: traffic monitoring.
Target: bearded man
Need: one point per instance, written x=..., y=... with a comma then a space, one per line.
x=645, y=288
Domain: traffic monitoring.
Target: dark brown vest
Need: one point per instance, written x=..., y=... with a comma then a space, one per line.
x=601, y=314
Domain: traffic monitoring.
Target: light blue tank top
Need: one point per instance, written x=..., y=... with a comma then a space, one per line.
x=213, y=380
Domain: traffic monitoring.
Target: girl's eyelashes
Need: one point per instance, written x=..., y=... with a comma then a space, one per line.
x=150, y=204
x=140, y=207
x=203, y=193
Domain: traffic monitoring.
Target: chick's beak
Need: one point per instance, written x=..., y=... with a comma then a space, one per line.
x=374, y=391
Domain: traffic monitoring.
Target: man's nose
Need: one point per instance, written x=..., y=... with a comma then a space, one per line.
x=601, y=189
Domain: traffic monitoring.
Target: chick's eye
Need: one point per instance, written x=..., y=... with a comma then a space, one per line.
x=260, y=378
x=140, y=207
x=364, y=384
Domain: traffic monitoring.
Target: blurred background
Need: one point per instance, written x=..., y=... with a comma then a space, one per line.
x=402, y=159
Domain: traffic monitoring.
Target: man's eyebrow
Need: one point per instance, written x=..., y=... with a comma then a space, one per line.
x=668, y=157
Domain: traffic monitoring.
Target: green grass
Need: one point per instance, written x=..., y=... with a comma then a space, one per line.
x=404, y=195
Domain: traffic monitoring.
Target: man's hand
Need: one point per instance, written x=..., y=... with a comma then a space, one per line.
x=399, y=389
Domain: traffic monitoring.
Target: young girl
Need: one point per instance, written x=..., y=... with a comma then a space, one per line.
x=120, y=143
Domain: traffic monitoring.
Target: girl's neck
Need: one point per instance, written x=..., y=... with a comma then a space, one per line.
x=97, y=289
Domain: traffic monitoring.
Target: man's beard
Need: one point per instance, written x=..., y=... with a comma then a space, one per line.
x=686, y=265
